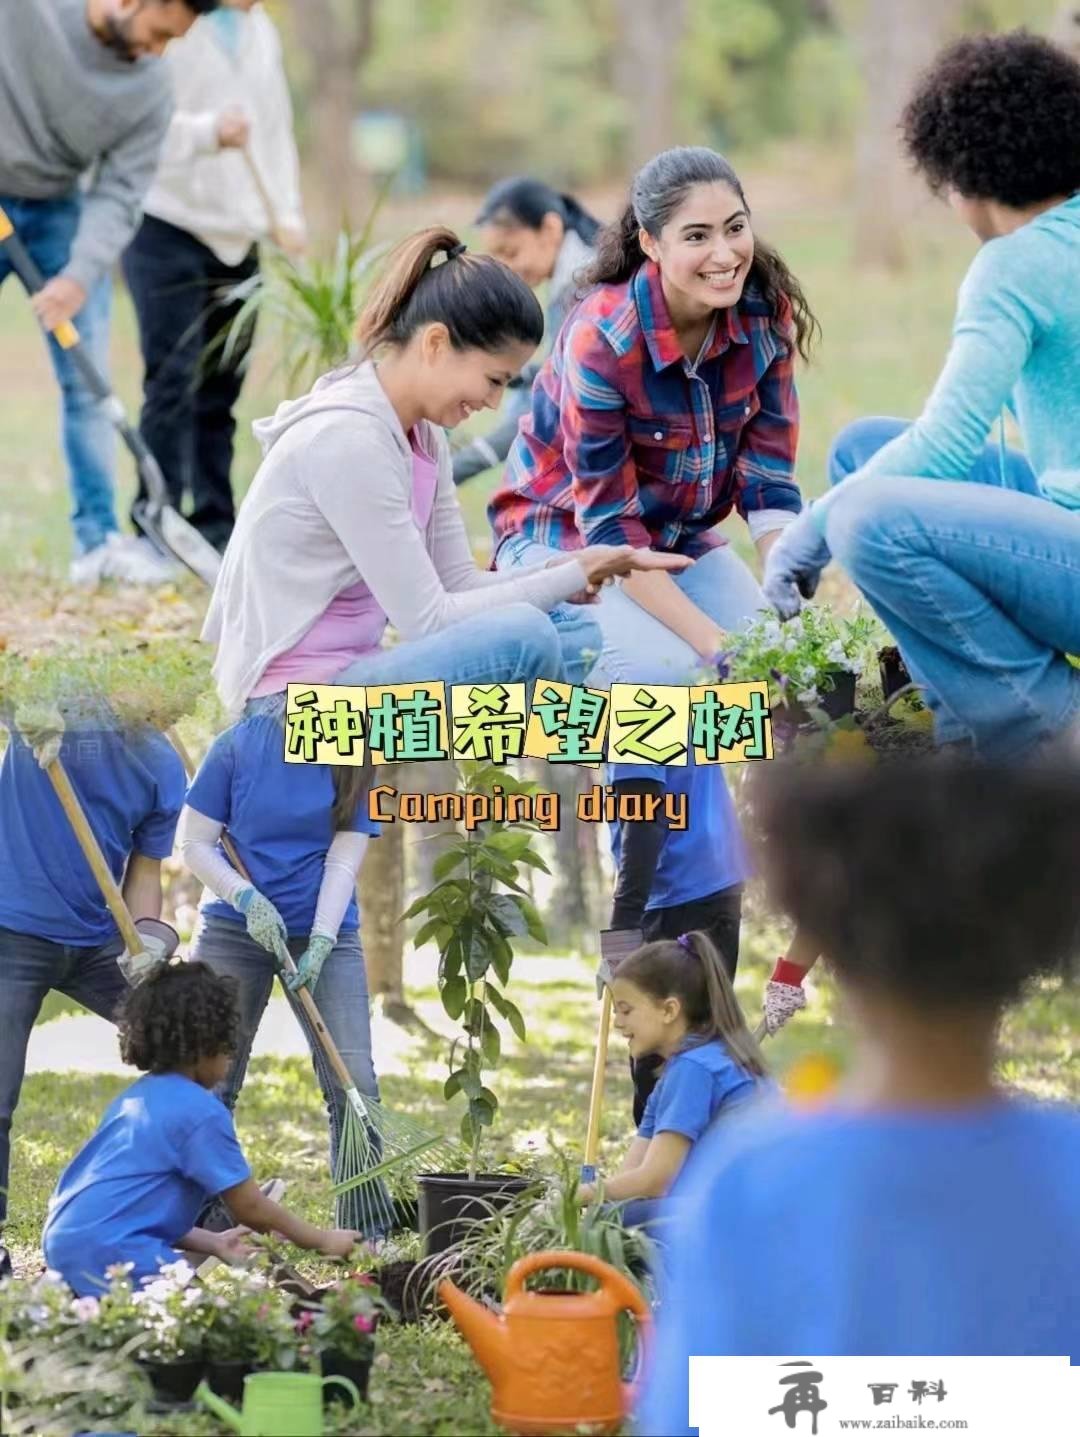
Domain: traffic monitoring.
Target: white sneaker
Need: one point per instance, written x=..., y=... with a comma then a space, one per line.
x=127, y=559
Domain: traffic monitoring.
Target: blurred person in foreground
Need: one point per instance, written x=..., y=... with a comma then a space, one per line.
x=84, y=106
x=925, y=1209
x=195, y=257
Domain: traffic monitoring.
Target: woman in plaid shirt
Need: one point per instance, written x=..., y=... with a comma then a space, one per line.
x=667, y=401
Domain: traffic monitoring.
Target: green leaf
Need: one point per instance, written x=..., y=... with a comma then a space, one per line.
x=502, y=956
x=452, y=1086
x=468, y=1129
x=418, y=907
x=431, y=929
x=482, y=1111
x=507, y=1010
x=447, y=862
x=491, y=1044
x=454, y=993
x=534, y=861
x=478, y=954
x=450, y=964
x=509, y=842
x=508, y=914
x=533, y=921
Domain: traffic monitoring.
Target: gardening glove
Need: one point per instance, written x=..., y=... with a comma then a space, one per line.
x=310, y=966
x=782, y=1001
x=794, y=565
x=264, y=923
x=42, y=728
x=615, y=945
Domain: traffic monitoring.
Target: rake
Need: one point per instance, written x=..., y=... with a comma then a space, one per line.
x=381, y=1153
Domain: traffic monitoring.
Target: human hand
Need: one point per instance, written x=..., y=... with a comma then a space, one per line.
x=310, y=966
x=234, y=1245
x=782, y=1001
x=233, y=129
x=337, y=1242
x=602, y=562
x=264, y=923
x=794, y=565
x=42, y=729
x=58, y=301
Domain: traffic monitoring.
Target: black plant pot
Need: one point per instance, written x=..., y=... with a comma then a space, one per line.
x=356, y=1369
x=227, y=1378
x=893, y=671
x=174, y=1381
x=837, y=703
x=448, y=1202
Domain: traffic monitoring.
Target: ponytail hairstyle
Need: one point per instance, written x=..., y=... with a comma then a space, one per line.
x=657, y=191
x=523, y=201
x=352, y=783
x=689, y=968
x=481, y=301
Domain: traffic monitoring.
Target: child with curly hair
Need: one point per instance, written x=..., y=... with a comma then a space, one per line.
x=926, y=1209
x=969, y=552
x=166, y=1146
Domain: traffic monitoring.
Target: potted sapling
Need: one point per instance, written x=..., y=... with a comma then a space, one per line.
x=475, y=913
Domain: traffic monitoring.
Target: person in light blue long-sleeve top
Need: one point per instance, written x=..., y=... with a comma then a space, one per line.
x=970, y=553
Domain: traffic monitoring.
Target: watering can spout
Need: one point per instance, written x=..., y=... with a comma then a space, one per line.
x=485, y=1333
x=225, y=1410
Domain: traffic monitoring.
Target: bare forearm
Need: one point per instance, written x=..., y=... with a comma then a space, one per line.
x=660, y=596
x=262, y=1215
x=142, y=890
x=200, y=1240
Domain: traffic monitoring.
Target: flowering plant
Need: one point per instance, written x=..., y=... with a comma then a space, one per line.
x=344, y=1322
x=803, y=657
x=113, y=1318
x=248, y=1321
x=174, y=1313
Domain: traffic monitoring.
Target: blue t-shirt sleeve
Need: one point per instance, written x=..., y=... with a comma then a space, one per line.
x=684, y=1100
x=212, y=1156
x=362, y=823
x=211, y=789
x=647, y=1126
x=153, y=837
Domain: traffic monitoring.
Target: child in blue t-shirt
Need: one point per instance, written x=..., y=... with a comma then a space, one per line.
x=165, y=1146
x=673, y=1000
x=300, y=831
x=56, y=931
x=927, y=1210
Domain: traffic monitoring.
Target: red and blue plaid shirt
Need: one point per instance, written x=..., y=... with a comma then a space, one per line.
x=627, y=442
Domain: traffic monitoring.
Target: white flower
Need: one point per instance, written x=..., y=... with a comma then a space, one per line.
x=770, y=631
x=156, y=1291
x=180, y=1272
x=85, y=1308
x=807, y=674
x=790, y=645
x=835, y=653
x=807, y=696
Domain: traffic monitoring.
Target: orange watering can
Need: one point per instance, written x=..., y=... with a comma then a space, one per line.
x=553, y=1357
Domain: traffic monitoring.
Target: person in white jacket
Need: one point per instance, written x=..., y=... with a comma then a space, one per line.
x=204, y=220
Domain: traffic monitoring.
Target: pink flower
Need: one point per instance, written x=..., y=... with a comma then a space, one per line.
x=362, y=1323
x=263, y=1312
x=365, y=1278
x=304, y=1321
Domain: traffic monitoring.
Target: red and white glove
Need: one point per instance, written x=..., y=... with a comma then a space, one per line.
x=784, y=996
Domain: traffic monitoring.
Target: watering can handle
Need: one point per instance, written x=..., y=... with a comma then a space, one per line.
x=608, y=1277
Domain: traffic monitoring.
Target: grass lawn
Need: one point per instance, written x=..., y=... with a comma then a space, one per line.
x=884, y=338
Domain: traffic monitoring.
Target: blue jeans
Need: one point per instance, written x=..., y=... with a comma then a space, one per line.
x=635, y=647
x=29, y=968
x=978, y=580
x=47, y=229
x=342, y=998
x=514, y=644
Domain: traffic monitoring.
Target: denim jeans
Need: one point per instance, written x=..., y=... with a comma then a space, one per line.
x=635, y=647
x=514, y=644
x=342, y=998
x=190, y=388
x=47, y=229
x=979, y=582
x=29, y=968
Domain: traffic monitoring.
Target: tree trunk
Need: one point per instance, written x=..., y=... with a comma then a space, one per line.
x=381, y=891
x=896, y=42
x=338, y=36
x=646, y=66
x=570, y=909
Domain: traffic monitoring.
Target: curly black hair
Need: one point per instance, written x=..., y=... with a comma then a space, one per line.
x=180, y=1013
x=943, y=885
x=997, y=117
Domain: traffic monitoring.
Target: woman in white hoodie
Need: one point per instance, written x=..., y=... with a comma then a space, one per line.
x=352, y=521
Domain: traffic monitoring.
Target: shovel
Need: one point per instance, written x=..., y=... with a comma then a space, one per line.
x=167, y=530
x=146, y=942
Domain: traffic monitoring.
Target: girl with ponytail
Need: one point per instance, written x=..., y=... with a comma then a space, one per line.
x=352, y=524
x=546, y=238
x=668, y=401
x=673, y=999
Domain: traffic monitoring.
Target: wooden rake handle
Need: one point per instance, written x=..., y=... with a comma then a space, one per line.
x=596, y=1098
x=307, y=1002
x=110, y=890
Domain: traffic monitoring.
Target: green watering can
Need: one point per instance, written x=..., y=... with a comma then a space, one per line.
x=276, y=1404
